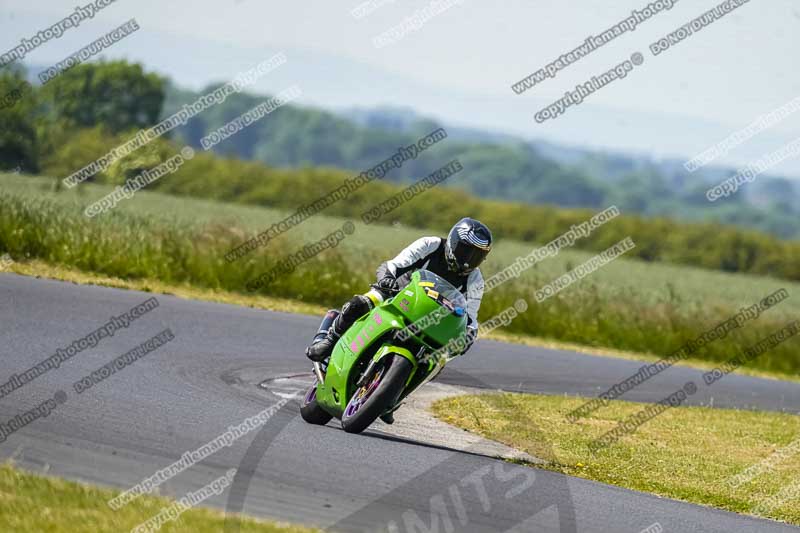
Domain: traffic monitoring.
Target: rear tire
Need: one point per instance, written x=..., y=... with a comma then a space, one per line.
x=310, y=409
x=395, y=370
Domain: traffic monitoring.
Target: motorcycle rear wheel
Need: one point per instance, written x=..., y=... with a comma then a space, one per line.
x=310, y=409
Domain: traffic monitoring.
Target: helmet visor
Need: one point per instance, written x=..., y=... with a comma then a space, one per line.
x=467, y=255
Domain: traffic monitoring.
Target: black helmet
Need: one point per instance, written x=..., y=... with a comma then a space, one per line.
x=468, y=244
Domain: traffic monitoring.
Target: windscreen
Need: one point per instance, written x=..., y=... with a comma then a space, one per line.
x=451, y=297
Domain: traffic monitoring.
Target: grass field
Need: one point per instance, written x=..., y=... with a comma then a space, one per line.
x=627, y=305
x=686, y=453
x=33, y=503
x=40, y=269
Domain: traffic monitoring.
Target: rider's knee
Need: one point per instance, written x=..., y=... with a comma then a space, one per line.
x=357, y=306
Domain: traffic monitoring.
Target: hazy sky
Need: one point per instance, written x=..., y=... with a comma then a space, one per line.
x=460, y=64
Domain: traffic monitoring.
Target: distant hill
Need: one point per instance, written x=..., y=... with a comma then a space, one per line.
x=496, y=165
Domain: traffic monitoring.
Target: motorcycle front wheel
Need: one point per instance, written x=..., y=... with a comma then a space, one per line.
x=379, y=394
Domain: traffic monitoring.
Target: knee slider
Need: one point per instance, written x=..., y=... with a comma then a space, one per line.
x=357, y=306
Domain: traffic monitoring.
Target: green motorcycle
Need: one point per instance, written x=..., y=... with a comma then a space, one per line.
x=380, y=360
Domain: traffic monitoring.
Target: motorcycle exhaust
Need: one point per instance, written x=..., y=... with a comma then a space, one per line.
x=325, y=325
x=318, y=372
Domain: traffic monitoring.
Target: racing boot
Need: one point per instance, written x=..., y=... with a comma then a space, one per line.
x=321, y=349
x=325, y=339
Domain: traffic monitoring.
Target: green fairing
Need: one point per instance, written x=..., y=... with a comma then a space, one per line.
x=371, y=337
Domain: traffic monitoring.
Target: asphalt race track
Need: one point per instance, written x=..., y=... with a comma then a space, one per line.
x=187, y=392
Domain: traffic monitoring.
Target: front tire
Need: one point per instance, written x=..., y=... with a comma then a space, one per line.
x=310, y=409
x=383, y=388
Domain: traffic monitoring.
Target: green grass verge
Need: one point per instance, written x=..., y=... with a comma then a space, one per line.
x=39, y=269
x=31, y=502
x=686, y=453
x=628, y=305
